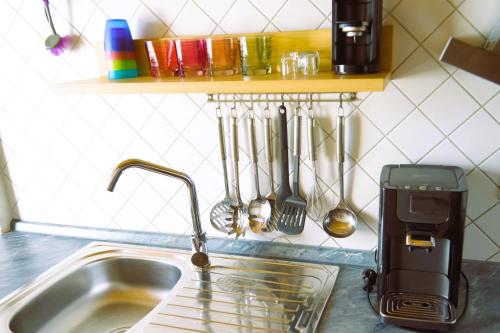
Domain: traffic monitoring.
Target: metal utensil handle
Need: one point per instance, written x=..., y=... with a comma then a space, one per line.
x=251, y=136
x=267, y=139
x=234, y=146
x=340, y=154
x=253, y=152
x=296, y=152
x=310, y=135
x=284, y=148
x=269, y=149
x=222, y=144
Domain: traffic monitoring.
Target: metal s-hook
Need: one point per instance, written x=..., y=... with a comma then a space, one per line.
x=299, y=107
x=218, y=108
x=340, y=111
x=267, y=112
x=234, y=112
x=251, y=113
x=310, y=108
x=282, y=99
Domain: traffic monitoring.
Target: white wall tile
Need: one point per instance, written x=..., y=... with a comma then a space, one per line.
x=190, y=13
x=480, y=88
x=166, y=13
x=145, y=24
x=298, y=15
x=419, y=19
x=449, y=106
x=360, y=135
x=493, y=107
x=476, y=245
x=482, y=13
x=482, y=194
x=243, y=17
x=386, y=109
x=126, y=9
x=489, y=224
x=490, y=167
x=410, y=137
x=479, y=137
x=447, y=154
x=406, y=42
x=384, y=153
x=419, y=76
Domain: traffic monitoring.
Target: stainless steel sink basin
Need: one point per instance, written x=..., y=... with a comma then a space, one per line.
x=98, y=297
x=123, y=288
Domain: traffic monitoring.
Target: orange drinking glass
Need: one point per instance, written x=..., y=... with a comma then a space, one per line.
x=223, y=56
x=162, y=58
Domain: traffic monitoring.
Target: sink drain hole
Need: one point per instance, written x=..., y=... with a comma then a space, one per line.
x=120, y=330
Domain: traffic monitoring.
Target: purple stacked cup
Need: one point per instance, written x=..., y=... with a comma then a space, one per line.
x=119, y=49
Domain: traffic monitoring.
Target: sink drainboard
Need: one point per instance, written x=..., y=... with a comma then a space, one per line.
x=253, y=296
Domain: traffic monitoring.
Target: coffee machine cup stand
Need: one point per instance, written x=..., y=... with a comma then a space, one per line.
x=419, y=254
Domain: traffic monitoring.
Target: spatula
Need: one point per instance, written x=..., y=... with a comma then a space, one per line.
x=284, y=190
x=293, y=212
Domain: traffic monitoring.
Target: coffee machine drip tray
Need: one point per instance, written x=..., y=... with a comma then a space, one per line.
x=406, y=309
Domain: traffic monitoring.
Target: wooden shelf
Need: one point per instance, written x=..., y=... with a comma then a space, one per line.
x=324, y=82
x=274, y=83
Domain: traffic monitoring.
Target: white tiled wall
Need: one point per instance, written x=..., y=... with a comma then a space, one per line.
x=59, y=149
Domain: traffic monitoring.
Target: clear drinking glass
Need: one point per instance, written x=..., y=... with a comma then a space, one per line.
x=255, y=53
x=223, y=56
x=309, y=62
x=289, y=64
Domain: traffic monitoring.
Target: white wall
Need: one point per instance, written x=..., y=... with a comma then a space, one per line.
x=60, y=149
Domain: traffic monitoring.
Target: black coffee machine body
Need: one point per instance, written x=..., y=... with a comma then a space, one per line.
x=421, y=230
x=356, y=29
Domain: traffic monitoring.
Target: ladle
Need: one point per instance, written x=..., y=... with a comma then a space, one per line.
x=340, y=222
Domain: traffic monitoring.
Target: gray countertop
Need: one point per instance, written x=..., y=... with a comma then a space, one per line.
x=25, y=255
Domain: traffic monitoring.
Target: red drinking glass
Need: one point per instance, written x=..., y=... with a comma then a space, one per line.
x=191, y=56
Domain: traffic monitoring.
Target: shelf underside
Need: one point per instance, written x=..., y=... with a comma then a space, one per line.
x=322, y=83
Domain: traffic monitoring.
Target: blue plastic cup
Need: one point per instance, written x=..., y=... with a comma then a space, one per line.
x=117, y=38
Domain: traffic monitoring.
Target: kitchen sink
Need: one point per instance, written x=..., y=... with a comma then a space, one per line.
x=115, y=288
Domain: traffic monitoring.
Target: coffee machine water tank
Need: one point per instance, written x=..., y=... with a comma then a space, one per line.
x=356, y=29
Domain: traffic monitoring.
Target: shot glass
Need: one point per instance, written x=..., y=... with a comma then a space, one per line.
x=309, y=62
x=255, y=53
x=289, y=64
x=119, y=50
x=162, y=58
x=222, y=56
x=191, y=56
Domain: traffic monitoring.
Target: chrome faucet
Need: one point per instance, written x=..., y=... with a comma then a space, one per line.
x=199, y=257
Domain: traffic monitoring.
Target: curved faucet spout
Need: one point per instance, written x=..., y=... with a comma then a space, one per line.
x=198, y=238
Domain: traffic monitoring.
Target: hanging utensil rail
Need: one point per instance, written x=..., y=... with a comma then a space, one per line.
x=225, y=98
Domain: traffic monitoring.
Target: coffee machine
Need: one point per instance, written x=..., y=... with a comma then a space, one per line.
x=419, y=255
x=356, y=29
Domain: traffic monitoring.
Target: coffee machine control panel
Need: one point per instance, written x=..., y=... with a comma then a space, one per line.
x=421, y=188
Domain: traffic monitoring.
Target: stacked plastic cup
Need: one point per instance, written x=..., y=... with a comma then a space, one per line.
x=119, y=49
